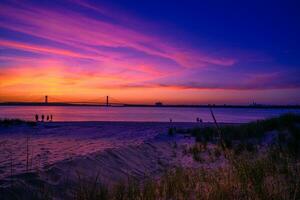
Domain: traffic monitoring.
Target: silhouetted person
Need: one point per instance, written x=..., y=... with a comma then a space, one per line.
x=37, y=117
x=43, y=118
x=198, y=120
x=51, y=118
x=171, y=120
x=48, y=118
x=201, y=120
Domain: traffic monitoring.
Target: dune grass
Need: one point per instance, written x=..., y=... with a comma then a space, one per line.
x=255, y=129
x=251, y=135
x=274, y=174
x=261, y=178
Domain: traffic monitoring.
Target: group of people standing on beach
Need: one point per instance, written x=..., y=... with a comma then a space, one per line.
x=49, y=118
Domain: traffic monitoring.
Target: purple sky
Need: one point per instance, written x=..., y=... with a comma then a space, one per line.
x=172, y=52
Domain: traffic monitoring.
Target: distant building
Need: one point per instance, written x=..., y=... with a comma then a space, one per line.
x=158, y=104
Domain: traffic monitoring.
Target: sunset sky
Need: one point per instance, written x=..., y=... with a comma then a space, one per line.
x=192, y=52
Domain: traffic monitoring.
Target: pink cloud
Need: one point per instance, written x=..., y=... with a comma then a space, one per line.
x=81, y=32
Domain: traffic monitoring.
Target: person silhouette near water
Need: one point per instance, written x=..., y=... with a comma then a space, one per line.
x=43, y=118
x=51, y=118
x=37, y=117
x=47, y=117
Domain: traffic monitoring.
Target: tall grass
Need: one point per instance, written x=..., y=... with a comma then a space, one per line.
x=247, y=136
x=249, y=174
x=252, y=130
x=244, y=179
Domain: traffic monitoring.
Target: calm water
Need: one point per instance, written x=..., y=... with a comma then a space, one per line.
x=154, y=114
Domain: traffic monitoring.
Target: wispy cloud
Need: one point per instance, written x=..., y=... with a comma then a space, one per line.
x=84, y=33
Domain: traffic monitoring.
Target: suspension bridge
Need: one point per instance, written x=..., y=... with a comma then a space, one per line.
x=47, y=100
x=113, y=102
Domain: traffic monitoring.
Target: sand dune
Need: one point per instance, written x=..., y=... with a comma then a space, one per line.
x=52, y=143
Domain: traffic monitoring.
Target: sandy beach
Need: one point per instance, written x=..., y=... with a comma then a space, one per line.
x=113, y=149
x=68, y=159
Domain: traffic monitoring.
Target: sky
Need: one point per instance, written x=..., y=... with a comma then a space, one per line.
x=176, y=52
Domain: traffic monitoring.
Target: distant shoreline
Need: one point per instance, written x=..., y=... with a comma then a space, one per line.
x=160, y=106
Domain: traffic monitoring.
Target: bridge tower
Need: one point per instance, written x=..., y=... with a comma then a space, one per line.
x=46, y=99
